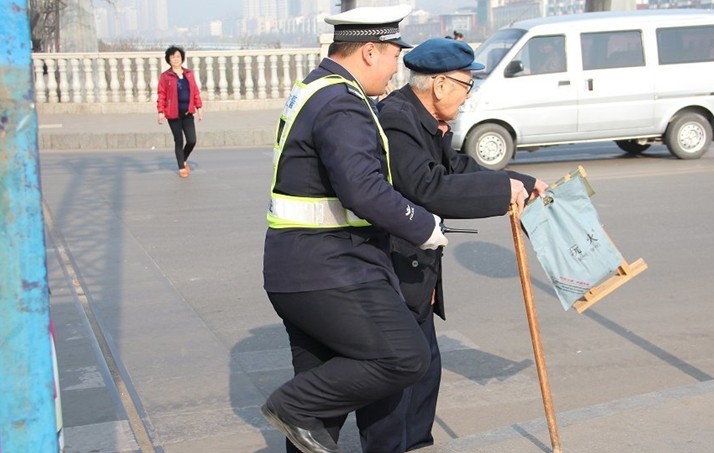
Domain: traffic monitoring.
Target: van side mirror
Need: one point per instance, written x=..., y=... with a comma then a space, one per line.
x=513, y=68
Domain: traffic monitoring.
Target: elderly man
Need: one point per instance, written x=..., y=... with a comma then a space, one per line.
x=428, y=171
x=326, y=267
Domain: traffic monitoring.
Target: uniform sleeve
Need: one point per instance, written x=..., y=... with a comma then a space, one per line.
x=346, y=137
x=528, y=181
x=419, y=170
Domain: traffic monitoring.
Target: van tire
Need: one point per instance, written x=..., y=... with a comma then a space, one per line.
x=688, y=136
x=490, y=145
x=631, y=146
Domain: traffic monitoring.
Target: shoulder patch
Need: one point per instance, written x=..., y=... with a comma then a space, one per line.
x=354, y=91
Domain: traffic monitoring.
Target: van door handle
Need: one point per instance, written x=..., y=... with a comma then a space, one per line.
x=590, y=84
x=562, y=83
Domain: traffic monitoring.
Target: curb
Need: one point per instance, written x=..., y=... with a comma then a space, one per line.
x=152, y=140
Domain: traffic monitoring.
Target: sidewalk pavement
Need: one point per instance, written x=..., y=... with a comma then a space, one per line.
x=93, y=131
x=112, y=234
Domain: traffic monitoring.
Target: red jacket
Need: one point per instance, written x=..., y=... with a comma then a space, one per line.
x=168, y=94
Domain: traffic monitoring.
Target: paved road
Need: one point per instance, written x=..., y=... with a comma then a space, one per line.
x=141, y=131
x=168, y=270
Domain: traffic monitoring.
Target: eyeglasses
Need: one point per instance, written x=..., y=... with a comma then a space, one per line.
x=468, y=85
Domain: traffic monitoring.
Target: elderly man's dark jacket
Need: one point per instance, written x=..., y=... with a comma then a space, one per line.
x=428, y=171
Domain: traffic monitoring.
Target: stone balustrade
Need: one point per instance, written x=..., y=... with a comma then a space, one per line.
x=126, y=82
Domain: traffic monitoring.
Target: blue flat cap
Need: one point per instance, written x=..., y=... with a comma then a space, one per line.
x=439, y=55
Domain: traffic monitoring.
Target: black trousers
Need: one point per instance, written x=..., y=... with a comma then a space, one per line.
x=403, y=421
x=183, y=125
x=350, y=346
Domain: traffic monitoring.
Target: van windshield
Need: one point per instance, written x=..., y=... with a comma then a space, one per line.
x=492, y=51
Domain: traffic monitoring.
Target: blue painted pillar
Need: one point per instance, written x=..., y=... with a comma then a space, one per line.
x=27, y=412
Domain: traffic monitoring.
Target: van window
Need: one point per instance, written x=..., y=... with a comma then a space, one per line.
x=685, y=44
x=613, y=49
x=543, y=55
x=491, y=52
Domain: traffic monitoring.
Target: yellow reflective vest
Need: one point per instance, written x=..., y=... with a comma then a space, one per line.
x=287, y=211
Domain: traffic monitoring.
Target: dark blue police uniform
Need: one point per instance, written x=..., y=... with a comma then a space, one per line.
x=352, y=337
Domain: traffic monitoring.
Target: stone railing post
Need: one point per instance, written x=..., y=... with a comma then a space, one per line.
x=155, y=71
x=63, y=84
x=196, y=68
x=235, y=76
x=141, y=94
x=299, y=72
x=222, y=79
x=88, y=80
x=261, y=77
x=52, y=82
x=40, y=86
x=76, y=80
x=102, y=80
x=210, y=82
x=113, y=80
x=274, y=84
x=248, y=64
x=128, y=84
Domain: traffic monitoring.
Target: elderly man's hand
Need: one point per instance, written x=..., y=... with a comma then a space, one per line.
x=539, y=189
x=519, y=194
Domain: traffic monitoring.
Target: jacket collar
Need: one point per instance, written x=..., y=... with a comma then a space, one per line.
x=330, y=65
x=427, y=120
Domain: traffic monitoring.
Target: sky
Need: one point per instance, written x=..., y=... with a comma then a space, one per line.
x=187, y=12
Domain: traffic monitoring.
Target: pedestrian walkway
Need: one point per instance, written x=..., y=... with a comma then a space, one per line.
x=141, y=131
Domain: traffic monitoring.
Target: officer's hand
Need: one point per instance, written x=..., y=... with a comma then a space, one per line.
x=437, y=238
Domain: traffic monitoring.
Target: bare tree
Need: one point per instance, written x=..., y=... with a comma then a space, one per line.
x=44, y=24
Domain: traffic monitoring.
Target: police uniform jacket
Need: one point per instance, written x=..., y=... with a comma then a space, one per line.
x=334, y=149
x=428, y=171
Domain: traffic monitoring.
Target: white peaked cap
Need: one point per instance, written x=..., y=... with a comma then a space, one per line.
x=370, y=24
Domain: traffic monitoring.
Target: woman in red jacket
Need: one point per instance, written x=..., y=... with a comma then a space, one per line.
x=179, y=99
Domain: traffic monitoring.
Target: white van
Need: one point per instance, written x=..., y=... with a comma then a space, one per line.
x=635, y=77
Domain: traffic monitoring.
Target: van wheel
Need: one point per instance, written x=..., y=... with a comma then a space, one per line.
x=631, y=146
x=688, y=136
x=491, y=145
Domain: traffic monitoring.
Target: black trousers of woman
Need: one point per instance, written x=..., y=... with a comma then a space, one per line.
x=183, y=125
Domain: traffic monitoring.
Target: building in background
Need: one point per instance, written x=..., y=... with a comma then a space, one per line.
x=124, y=19
x=76, y=20
x=298, y=23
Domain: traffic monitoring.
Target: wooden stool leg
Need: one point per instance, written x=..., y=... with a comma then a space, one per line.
x=533, y=326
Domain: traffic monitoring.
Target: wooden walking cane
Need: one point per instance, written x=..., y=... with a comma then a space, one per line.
x=533, y=325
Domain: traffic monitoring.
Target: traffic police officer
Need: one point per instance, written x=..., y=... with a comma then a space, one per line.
x=326, y=266
x=428, y=171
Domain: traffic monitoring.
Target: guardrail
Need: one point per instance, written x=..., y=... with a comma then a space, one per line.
x=123, y=82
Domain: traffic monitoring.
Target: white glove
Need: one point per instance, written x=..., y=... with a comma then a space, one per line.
x=437, y=238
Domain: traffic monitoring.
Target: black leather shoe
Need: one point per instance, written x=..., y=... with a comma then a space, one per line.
x=306, y=440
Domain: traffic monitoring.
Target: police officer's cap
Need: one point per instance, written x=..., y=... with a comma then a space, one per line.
x=440, y=55
x=370, y=24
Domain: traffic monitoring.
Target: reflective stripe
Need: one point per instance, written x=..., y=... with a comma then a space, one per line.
x=288, y=211
x=313, y=212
